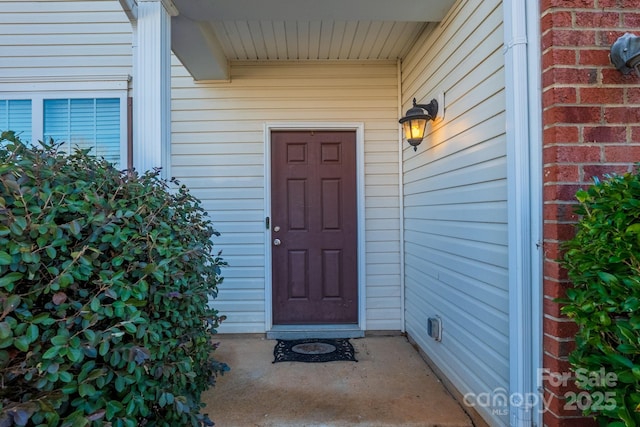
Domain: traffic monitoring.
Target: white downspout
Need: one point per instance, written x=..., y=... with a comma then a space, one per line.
x=524, y=205
x=536, y=197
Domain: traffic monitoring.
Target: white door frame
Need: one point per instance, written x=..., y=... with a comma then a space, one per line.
x=320, y=126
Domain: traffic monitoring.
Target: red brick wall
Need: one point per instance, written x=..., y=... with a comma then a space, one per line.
x=591, y=126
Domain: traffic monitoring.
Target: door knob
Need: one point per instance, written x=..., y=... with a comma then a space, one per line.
x=276, y=242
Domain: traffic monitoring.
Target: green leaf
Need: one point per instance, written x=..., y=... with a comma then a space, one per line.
x=627, y=349
x=621, y=360
x=59, y=340
x=51, y=252
x=5, y=330
x=75, y=227
x=51, y=352
x=69, y=388
x=113, y=408
x=44, y=319
x=626, y=377
x=66, y=376
x=604, y=318
x=21, y=222
x=86, y=389
x=75, y=354
x=7, y=280
x=5, y=258
x=104, y=348
x=76, y=419
x=582, y=196
x=65, y=280
x=129, y=327
x=32, y=333
x=607, y=277
x=634, y=228
x=22, y=343
x=131, y=407
x=11, y=303
x=90, y=335
x=162, y=402
x=624, y=414
x=120, y=384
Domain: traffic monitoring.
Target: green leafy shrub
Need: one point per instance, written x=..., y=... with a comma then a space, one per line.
x=603, y=262
x=105, y=285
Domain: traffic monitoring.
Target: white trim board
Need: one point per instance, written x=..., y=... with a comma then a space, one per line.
x=63, y=84
x=359, y=129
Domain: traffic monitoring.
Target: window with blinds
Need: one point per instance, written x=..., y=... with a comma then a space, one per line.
x=15, y=115
x=92, y=123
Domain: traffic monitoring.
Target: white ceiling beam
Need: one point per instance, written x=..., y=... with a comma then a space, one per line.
x=315, y=10
x=198, y=48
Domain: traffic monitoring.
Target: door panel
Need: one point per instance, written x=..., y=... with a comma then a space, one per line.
x=314, y=219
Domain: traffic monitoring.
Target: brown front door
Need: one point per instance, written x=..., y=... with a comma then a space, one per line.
x=313, y=227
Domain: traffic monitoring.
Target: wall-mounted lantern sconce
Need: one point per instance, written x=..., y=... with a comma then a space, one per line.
x=625, y=53
x=415, y=121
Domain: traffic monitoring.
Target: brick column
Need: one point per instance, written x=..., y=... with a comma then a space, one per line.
x=591, y=126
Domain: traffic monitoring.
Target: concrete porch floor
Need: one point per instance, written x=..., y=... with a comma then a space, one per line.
x=390, y=385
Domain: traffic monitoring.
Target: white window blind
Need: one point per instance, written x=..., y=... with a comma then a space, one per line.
x=15, y=115
x=85, y=123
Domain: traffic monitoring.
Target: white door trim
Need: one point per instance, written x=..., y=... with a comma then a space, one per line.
x=359, y=130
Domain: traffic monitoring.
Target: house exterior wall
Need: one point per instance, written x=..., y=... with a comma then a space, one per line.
x=455, y=202
x=455, y=183
x=218, y=151
x=591, y=125
x=218, y=136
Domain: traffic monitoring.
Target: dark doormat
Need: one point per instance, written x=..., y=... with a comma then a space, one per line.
x=314, y=350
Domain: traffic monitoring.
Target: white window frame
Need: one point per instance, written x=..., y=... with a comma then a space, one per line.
x=73, y=90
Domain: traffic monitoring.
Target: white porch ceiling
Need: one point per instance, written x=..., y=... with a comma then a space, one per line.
x=300, y=40
x=207, y=34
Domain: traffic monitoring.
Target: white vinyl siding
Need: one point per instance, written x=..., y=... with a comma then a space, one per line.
x=218, y=152
x=455, y=201
x=15, y=115
x=53, y=39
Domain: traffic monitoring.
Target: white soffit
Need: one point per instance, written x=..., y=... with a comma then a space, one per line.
x=207, y=34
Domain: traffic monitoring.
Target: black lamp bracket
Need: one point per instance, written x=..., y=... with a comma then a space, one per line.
x=625, y=53
x=431, y=108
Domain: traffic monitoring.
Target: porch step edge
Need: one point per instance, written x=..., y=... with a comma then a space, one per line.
x=298, y=332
